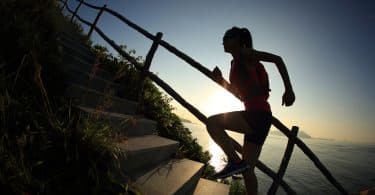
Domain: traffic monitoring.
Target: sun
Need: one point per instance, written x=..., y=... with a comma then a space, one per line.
x=222, y=101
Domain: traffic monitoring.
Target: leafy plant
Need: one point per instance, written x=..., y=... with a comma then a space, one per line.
x=156, y=105
x=237, y=188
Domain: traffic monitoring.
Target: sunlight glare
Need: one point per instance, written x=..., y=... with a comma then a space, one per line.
x=222, y=101
x=217, y=155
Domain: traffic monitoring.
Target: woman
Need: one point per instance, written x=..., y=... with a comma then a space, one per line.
x=249, y=82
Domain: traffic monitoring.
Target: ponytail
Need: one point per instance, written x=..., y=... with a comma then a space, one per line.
x=245, y=38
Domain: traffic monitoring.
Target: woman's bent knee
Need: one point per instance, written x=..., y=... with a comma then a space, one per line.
x=212, y=122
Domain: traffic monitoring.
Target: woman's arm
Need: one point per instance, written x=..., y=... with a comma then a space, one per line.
x=268, y=57
x=217, y=76
x=288, y=97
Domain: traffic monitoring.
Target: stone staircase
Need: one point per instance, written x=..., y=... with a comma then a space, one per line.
x=149, y=160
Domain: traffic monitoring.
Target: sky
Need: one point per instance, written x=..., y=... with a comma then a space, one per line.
x=327, y=47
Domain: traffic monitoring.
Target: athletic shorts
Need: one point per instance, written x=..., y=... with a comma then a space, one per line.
x=260, y=123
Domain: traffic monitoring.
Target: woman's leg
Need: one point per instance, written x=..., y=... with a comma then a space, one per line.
x=251, y=154
x=216, y=126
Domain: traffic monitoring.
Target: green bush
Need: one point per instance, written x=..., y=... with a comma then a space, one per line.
x=156, y=105
x=237, y=188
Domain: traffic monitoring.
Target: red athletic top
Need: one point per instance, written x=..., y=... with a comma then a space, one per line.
x=252, y=103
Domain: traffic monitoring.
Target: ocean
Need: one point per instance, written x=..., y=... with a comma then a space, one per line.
x=353, y=165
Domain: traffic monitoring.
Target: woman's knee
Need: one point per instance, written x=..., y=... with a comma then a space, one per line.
x=213, y=121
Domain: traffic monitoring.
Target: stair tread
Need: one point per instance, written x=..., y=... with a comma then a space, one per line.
x=111, y=114
x=208, y=187
x=169, y=177
x=107, y=100
x=131, y=125
x=81, y=65
x=74, y=37
x=100, y=93
x=69, y=42
x=91, y=80
x=98, y=77
x=83, y=53
x=146, y=142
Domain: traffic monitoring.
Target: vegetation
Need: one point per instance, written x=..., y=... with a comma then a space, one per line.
x=237, y=188
x=46, y=145
x=156, y=105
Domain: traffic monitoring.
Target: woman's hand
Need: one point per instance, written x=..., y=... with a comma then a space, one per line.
x=288, y=98
x=216, y=74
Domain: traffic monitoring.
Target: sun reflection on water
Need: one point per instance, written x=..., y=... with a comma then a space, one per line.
x=218, y=155
x=218, y=159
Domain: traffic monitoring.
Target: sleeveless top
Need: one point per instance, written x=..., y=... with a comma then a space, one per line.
x=248, y=86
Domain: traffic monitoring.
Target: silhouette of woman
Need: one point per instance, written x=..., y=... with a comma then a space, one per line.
x=249, y=82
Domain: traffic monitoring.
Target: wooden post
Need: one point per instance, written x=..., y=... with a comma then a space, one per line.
x=76, y=10
x=96, y=20
x=284, y=162
x=306, y=150
x=273, y=175
x=64, y=4
x=152, y=76
x=146, y=68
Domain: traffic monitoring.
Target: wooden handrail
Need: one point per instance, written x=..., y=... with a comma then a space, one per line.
x=284, y=162
x=261, y=166
x=264, y=169
x=146, y=67
x=222, y=82
x=64, y=4
x=96, y=20
x=165, y=44
x=151, y=75
x=76, y=10
x=306, y=150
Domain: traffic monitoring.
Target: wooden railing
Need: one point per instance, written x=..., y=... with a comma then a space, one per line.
x=144, y=68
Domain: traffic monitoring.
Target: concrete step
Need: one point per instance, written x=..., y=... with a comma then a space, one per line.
x=87, y=97
x=171, y=177
x=208, y=187
x=92, y=81
x=71, y=33
x=74, y=36
x=75, y=44
x=71, y=60
x=128, y=125
x=77, y=50
x=74, y=40
x=146, y=151
x=68, y=27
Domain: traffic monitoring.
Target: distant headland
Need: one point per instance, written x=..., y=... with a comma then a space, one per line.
x=301, y=134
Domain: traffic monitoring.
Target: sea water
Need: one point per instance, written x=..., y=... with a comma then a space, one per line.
x=353, y=165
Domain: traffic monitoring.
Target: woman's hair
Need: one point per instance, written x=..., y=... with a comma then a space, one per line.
x=243, y=35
